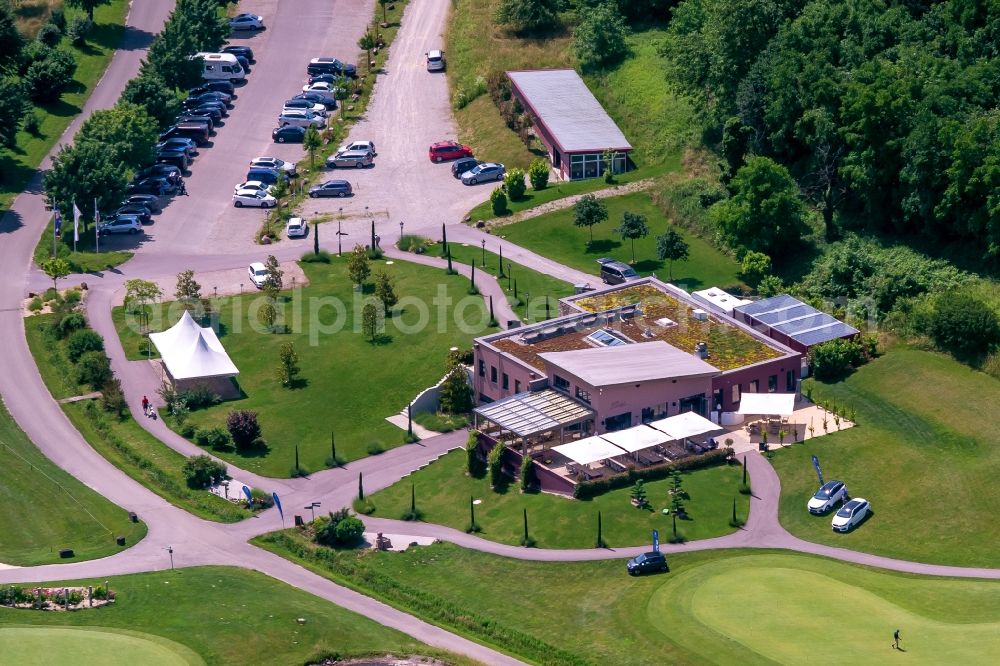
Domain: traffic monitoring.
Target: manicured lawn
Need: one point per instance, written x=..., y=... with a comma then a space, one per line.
x=45, y=509
x=227, y=616
x=701, y=612
x=553, y=235
x=925, y=455
x=92, y=646
x=348, y=384
x=443, y=490
x=124, y=443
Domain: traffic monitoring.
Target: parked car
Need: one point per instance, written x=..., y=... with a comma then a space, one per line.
x=829, y=494
x=196, y=131
x=168, y=171
x=368, y=146
x=244, y=63
x=300, y=118
x=244, y=51
x=150, y=201
x=322, y=87
x=226, y=87
x=138, y=210
x=120, y=224
x=331, y=188
x=202, y=120
x=331, y=66
x=316, y=97
x=258, y=274
x=304, y=105
x=208, y=110
x=266, y=175
x=274, y=163
x=296, y=228
x=253, y=199
x=484, y=172
x=448, y=150
x=460, y=166
x=174, y=157
x=288, y=134
x=357, y=159
x=208, y=103
x=852, y=513
x=254, y=186
x=210, y=95
x=325, y=78
x=246, y=22
x=647, y=562
x=189, y=147
x=157, y=185
x=616, y=272
x=435, y=60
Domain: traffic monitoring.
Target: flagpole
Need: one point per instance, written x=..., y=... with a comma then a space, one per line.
x=97, y=221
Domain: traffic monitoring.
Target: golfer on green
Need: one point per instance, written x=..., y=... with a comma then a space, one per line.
x=895, y=639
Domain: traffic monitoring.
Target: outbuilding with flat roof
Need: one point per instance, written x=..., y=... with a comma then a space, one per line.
x=570, y=122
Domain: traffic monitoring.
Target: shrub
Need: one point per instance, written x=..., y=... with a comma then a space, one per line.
x=375, y=447
x=754, y=267
x=74, y=321
x=243, y=428
x=538, y=174
x=832, y=360
x=93, y=368
x=201, y=472
x=216, y=438
x=494, y=463
x=964, y=324
x=78, y=30
x=349, y=531
x=513, y=182
x=200, y=397
x=498, y=201
x=83, y=341
x=471, y=456
x=49, y=35
x=601, y=37
x=113, y=398
x=322, y=257
x=456, y=392
x=261, y=498
x=363, y=506
x=327, y=533
x=588, y=489
x=48, y=77
x=32, y=124
x=527, y=473
x=36, y=304
x=187, y=431
x=58, y=19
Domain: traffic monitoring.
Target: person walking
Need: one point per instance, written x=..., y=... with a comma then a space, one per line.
x=183, y=188
x=895, y=640
x=145, y=406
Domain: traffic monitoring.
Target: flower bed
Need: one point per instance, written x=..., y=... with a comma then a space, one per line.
x=55, y=599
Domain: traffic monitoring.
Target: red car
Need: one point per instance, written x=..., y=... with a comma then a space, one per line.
x=448, y=150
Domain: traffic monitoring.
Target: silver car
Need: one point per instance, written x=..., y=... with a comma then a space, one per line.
x=358, y=159
x=300, y=118
x=435, y=61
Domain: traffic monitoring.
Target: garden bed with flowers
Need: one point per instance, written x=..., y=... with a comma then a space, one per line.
x=56, y=599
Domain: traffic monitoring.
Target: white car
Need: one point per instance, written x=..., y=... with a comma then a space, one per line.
x=294, y=105
x=247, y=22
x=258, y=274
x=322, y=87
x=851, y=514
x=296, y=228
x=274, y=163
x=300, y=118
x=253, y=199
x=827, y=497
x=253, y=186
x=367, y=146
x=435, y=61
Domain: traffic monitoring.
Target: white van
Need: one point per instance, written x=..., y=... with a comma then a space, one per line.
x=222, y=66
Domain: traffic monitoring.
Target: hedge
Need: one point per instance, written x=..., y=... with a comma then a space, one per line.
x=588, y=489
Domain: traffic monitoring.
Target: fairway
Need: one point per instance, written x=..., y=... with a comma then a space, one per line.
x=97, y=646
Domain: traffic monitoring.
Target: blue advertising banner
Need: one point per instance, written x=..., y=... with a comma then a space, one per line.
x=819, y=472
x=656, y=541
x=277, y=503
x=246, y=491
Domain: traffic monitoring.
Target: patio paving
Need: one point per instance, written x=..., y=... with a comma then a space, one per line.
x=799, y=421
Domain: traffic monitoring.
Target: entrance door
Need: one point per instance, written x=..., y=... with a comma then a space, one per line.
x=618, y=422
x=694, y=403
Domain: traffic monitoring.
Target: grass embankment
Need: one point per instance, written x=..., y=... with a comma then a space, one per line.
x=443, y=490
x=553, y=235
x=925, y=455
x=699, y=613
x=228, y=616
x=348, y=384
x=123, y=442
x=45, y=509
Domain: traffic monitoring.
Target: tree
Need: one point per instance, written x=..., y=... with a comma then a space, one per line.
x=244, y=428
x=754, y=267
x=272, y=279
x=538, y=174
x=340, y=94
x=383, y=3
x=48, y=78
x=366, y=44
x=498, y=201
x=528, y=15
x=188, y=291
x=268, y=315
x=672, y=247
x=87, y=5
x=369, y=321
x=93, y=368
x=202, y=471
x=456, y=392
x=83, y=341
x=357, y=266
x=168, y=57
x=589, y=211
x=312, y=142
x=494, y=465
x=138, y=293
x=55, y=268
x=601, y=37
x=831, y=361
x=676, y=493
x=151, y=92
x=279, y=191
x=13, y=104
x=633, y=226
x=765, y=213
x=735, y=143
x=638, y=494
x=513, y=182
x=385, y=291
x=964, y=324
x=11, y=40
x=126, y=131
x=83, y=173
x=288, y=364
x=349, y=531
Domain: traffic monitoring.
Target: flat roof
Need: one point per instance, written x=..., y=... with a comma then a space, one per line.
x=720, y=299
x=638, y=362
x=529, y=413
x=561, y=101
x=799, y=321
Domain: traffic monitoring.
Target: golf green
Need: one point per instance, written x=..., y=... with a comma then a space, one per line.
x=98, y=646
x=782, y=609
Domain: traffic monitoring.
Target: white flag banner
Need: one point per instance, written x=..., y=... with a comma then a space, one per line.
x=97, y=223
x=76, y=223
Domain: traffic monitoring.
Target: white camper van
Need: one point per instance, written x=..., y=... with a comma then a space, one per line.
x=222, y=66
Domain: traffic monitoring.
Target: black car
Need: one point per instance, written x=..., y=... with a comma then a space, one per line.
x=331, y=188
x=177, y=158
x=206, y=97
x=149, y=201
x=214, y=86
x=244, y=63
x=463, y=164
x=326, y=78
x=208, y=110
x=152, y=185
x=316, y=97
x=288, y=134
x=168, y=171
x=331, y=66
x=179, y=143
x=244, y=51
x=266, y=175
x=647, y=562
x=144, y=214
x=191, y=118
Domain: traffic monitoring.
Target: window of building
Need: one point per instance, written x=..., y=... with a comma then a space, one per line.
x=772, y=383
x=736, y=393
x=754, y=387
x=482, y=368
x=517, y=386
x=583, y=395
x=618, y=422
x=648, y=414
x=560, y=383
x=717, y=400
x=506, y=382
x=790, y=381
x=493, y=374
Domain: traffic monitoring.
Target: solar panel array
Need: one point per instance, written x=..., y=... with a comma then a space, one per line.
x=799, y=321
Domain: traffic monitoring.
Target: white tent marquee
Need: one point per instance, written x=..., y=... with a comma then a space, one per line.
x=588, y=450
x=685, y=425
x=637, y=438
x=767, y=404
x=192, y=352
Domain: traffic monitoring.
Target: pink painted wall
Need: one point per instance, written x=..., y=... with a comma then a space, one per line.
x=760, y=372
x=516, y=374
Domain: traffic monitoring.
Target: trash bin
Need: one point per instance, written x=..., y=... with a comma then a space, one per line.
x=298, y=521
x=66, y=553
x=131, y=516
x=120, y=540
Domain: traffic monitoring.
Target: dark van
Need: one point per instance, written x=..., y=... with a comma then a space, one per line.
x=197, y=132
x=616, y=272
x=178, y=158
